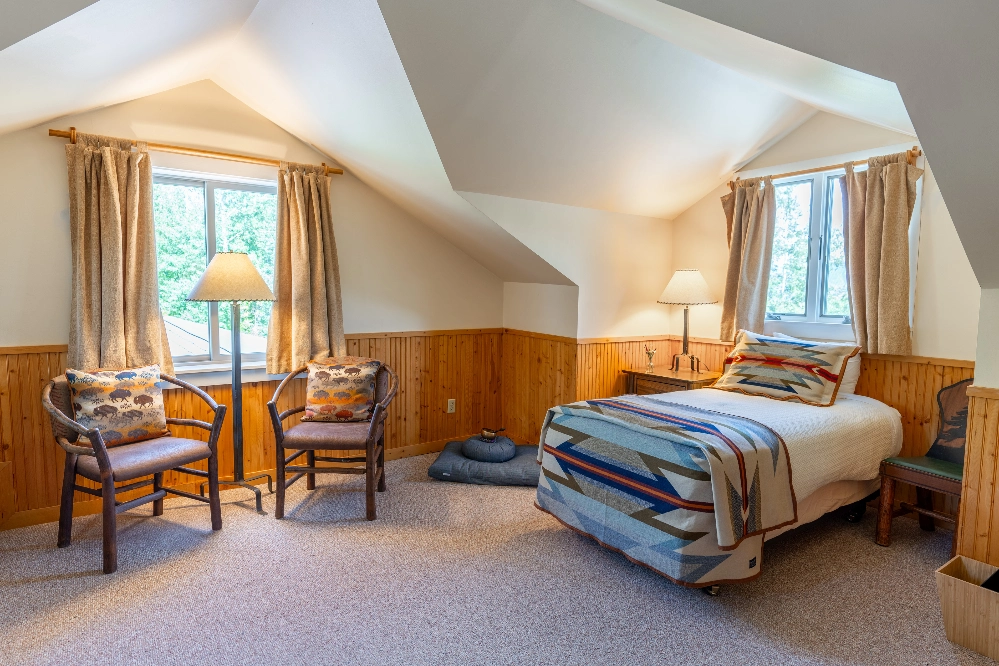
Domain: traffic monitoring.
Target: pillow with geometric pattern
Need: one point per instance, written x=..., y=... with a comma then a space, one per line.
x=125, y=405
x=799, y=370
x=341, y=388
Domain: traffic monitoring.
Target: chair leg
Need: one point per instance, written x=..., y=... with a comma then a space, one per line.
x=369, y=480
x=110, y=526
x=281, y=483
x=381, y=465
x=924, y=500
x=310, y=479
x=66, y=506
x=886, y=509
x=214, y=501
x=157, y=484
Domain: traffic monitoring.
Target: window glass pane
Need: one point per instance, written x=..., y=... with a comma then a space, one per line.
x=835, y=297
x=181, y=257
x=246, y=221
x=789, y=264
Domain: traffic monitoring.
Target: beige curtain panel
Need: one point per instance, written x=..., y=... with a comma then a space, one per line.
x=307, y=318
x=750, y=211
x=878, y=204
x=115, y=319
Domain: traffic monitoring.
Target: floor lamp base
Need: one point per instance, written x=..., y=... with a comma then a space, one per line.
x=245, y=483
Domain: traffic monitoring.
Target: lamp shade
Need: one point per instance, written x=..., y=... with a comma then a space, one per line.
x=231, y=276
x=687, y=287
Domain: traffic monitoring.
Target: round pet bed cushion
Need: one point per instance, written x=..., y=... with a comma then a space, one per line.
x=521, y=470
x=499, y=450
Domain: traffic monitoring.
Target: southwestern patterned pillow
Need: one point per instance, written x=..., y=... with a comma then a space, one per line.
x=125, y=405
x=341, y=388
x=809, y=372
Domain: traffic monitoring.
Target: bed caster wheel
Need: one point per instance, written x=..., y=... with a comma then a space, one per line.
x=711, y=590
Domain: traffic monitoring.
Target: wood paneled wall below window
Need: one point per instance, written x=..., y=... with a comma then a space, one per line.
x=433, y=366
x=498, y=377
x=979, y=526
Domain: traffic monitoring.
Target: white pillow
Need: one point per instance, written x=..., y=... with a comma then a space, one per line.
x=850, y=377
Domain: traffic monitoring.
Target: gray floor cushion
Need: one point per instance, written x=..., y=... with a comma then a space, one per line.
x=522, y=470
x=500, y=449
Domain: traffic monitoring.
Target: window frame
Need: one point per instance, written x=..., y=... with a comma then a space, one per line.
x=814, y=323
x=209, y=183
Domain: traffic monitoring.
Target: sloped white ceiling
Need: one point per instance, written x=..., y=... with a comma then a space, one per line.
x=328, y=73
x=597, y=103
x=113, y=51
x=553, y=101
x=943, y=56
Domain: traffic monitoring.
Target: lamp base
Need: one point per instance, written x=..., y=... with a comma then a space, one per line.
x=245, y=483
x=695, y=363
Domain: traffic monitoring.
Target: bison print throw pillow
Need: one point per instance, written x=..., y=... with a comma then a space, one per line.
x=341, y=388
x=125, y=405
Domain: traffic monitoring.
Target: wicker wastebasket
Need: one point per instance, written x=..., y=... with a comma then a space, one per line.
x=970, y=612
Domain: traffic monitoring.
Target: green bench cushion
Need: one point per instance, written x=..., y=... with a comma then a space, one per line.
x=935, y=466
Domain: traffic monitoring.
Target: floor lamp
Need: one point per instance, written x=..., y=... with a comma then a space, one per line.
x=687, y=287
x=231, y=276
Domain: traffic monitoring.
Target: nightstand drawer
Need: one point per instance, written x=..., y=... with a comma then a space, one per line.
x=649, y=387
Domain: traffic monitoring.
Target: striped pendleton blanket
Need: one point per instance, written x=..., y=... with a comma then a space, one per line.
x=688, y=492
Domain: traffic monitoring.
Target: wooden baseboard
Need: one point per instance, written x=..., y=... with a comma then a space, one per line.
x=49, y=514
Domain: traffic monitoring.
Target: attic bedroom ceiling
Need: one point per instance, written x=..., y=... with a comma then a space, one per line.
x=629, y=106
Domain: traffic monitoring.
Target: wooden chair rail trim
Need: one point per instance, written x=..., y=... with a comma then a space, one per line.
x=34, y=349
x=539, y=336
x=983, y=392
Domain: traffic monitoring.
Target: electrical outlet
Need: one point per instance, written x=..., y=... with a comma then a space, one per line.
x=450, y=406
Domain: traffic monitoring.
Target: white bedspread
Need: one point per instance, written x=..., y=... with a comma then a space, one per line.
x=844, y=442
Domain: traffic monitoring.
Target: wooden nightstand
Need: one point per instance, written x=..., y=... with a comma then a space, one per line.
x=664, y=380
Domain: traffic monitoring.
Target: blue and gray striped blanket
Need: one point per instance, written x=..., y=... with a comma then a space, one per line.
x=688, y=492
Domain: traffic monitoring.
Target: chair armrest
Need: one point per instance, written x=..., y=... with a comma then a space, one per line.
x=277, y=418
x=64, y=420
x=194, y=423
x=380, y=412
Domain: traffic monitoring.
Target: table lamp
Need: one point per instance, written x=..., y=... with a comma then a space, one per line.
x=231, y=276
x=687, y=287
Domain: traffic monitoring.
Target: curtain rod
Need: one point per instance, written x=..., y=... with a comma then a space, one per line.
x=197, y=152
x=910, y=157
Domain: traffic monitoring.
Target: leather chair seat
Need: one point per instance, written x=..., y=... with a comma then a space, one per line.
x=323, y=435
x=130, y=461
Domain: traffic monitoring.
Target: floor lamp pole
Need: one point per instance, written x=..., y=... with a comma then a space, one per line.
x=238, y=478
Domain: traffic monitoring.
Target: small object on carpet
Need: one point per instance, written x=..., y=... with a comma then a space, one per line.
x=497, y=450
x=521, y=470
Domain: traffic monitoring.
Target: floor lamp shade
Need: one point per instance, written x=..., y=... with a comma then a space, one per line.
x=231, y=276
x=687, y=287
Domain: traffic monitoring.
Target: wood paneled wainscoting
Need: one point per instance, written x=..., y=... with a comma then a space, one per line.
x=433, y=366
x=979, y=525
x=499, y=378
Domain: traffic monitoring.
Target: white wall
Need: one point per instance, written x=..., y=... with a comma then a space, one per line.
x=542, y=308
x=620, y=262
x=396, y=273
x=945, y=320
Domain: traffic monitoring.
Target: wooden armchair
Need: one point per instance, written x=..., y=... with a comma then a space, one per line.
x=310, y=436
x=129, y=461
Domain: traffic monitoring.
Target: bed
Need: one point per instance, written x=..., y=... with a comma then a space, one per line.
x=691, y=483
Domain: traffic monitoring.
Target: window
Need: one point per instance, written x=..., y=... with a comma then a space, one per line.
x=808, y=264
x=195, y=218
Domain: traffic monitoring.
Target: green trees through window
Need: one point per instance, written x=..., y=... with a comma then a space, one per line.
x=808, y=264
x=194, y=219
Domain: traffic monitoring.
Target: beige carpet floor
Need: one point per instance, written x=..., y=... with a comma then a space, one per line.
x=450, y=574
